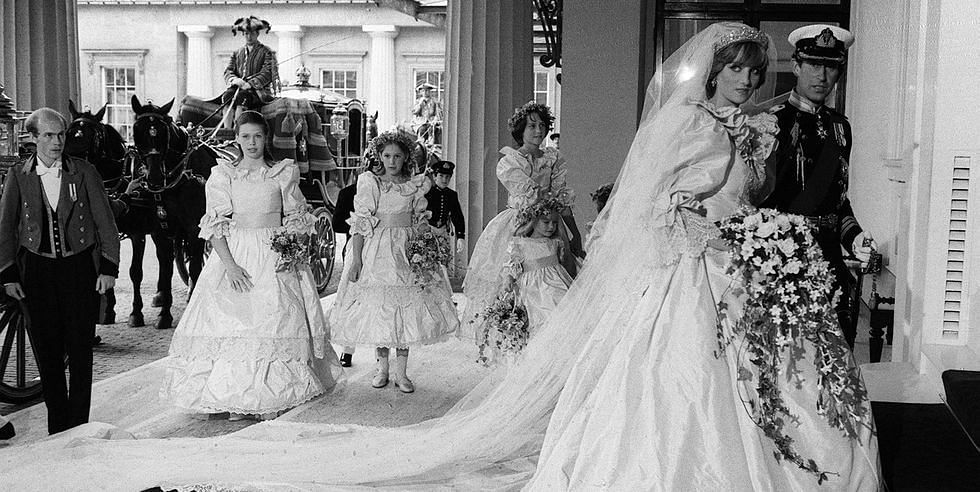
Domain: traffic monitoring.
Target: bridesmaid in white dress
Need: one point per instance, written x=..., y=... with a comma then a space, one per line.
x=378, y=301
x=534, y=267
x=253, y=341
x=529, y=173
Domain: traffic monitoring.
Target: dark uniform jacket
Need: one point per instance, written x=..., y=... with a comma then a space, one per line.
x=810, y=167
x=258, y=69
x=445, y=208
x=345, y=205
x=84, y=216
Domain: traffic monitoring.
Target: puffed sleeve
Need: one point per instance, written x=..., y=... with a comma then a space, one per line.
x=706, y=157
x=216, y=221
x=296, y=216
x=559, y=172
x=512, y=173
x=363, y=220
x=420, y=206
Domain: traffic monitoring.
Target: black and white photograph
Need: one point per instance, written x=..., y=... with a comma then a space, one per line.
x=339, y=245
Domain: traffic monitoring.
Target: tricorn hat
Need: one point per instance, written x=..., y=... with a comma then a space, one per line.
x=425, y=85
x=250, y=23
x=821, y=43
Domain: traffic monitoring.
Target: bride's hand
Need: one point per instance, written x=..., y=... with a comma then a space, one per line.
x=719, y=244
x=239, y=279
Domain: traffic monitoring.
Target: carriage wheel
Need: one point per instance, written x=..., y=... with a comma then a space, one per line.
x=323, y=246
x=19, y=378
x=182, y=261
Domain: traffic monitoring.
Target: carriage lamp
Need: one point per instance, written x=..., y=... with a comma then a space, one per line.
x=339, y=123
x=9, y=148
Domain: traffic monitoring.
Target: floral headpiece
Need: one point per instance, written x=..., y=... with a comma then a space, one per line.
x=391, y=137
x=520, y=114
x=544, y=206
x=743, y=33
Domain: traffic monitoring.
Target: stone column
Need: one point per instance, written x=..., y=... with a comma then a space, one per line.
x=200, y=71
x=39, y=53
x=381, y=88
x=489, y=72
x=288, y=54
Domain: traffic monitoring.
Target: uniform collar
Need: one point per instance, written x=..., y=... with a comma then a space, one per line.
x=804, y=104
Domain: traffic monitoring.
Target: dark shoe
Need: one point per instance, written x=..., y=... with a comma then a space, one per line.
x=96, y=341
x=7, y=431
x=345, y=360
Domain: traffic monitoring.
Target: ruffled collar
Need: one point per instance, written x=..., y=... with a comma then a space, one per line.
x=418, y=183
x=549, y=153
x=754, y=136
x=264, y=172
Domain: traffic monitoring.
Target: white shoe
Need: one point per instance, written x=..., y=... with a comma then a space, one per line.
x=402, y=382
x=380, y=379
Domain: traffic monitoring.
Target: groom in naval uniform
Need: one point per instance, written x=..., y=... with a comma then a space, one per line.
x=810, y=165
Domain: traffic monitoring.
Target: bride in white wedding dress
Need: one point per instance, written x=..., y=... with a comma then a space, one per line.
x=619, y=390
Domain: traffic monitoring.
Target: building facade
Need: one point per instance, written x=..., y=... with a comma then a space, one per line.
x=161, y=50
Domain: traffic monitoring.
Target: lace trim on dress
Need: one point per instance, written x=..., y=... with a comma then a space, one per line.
x=214, y=225
x=230, y=348
x=300, y=221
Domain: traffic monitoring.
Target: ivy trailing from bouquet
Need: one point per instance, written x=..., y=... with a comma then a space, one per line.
x=788, y=309
x=505, y=326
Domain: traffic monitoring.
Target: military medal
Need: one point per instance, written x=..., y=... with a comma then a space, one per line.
x=839, y=133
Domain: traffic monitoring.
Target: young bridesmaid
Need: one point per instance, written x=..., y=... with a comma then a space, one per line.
x=379, y=303
x=253, y=341
x=533, y=269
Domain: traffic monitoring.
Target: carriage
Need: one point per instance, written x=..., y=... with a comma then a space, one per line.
x=325, y=132
x=19, y=379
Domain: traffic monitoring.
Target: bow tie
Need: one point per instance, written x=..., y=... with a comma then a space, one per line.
x=54, y=170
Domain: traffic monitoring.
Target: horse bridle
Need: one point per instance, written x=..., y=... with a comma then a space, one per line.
x=176, y=175
x=112, y=184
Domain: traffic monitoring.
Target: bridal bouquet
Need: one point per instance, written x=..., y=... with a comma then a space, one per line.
x=427, y=253
x=788, y=309
x=293, y=249
x=505, y=326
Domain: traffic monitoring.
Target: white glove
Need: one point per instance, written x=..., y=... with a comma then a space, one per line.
x=862, y=252
x=460, y=245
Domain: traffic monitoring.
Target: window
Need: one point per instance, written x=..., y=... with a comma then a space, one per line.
x=541, y=88
x=673, y=22
x=343, y=82
x=118, y=88
x=434, y=77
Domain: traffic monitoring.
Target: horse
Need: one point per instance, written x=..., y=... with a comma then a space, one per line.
x=87, y=137
x=172, y=182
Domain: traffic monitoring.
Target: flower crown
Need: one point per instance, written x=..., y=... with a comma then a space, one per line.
x=742, y=33
x=544, y=206
x=391, y=137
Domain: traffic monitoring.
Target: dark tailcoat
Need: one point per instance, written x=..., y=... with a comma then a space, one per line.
x=445, y=208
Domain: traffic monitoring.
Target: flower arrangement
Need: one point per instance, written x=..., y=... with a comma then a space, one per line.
x=551, y=202
x=789, y=307
x=427, y=253
x=505, y=327
x=293, y=249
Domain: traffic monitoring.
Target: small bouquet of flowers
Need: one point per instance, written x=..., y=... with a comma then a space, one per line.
x=427, y=253
x=293, y=249
x=789, y=306
x=505, y=326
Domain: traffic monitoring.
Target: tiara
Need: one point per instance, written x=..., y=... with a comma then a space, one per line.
x=742, y=33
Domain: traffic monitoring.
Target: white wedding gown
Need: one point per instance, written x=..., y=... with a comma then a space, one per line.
x=619, y=390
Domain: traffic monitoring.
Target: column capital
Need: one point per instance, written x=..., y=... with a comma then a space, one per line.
x=195, y=31
x=381, y=31
x=289, y=31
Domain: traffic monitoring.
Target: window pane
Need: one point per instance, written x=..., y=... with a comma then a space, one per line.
x=351, y=80
x=131, y=77
x=679, y=31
